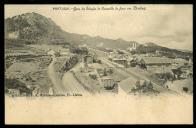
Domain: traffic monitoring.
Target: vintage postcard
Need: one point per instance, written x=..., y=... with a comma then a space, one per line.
x=98, y=64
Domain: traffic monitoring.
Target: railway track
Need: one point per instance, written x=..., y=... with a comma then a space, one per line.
x=139, y=76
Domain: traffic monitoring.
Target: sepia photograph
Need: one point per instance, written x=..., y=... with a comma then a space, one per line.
x=84, y=64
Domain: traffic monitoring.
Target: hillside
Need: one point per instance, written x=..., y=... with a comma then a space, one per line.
x=171, y=53
x=33, y=28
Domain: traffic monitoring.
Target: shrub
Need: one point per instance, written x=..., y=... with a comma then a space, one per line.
x=185, y=89
x=93, y=76
x=137, y=84
x=150, y=86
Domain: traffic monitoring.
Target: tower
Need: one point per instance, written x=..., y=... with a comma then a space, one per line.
x=134, y=46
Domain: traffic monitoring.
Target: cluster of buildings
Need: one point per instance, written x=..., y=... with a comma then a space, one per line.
x=125, y=60
x=179, y=67
x=170, y=70
x=29, y=91
x=133, y=48
x=98, y=71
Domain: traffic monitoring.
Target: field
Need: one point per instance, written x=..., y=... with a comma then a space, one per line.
x=27, y=65
x=45, y=47
x=178, y=85
x=147, y=74
x=34, y=67
x=119, y=75
x=31, y=71
x=91, y=85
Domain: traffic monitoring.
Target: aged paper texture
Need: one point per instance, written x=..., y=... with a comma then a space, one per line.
x=99, y=64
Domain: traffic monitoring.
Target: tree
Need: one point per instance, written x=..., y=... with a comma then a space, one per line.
x=185, y=89
x=104, y=72
x=99, y=61
x=110, y=71
x=150, y=86
x=177, y=72
x=145, y=83
x=137, y=84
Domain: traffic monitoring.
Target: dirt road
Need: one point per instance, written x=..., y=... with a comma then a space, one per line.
x=71, y=85
x=68, y=84
x=56, y=81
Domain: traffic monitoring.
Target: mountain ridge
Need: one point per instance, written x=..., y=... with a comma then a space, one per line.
x=36, y=28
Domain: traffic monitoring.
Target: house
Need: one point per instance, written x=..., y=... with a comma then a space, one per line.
x=43, y=92
x=36, y=92
x=100, y=71
x=14, y=92
x=108, y=83
x=158, y=61
x=83, y=46
x=112, y=56
x=79, y=50
x=186, y=74
x=122, y=61
x=51, y=52
x=131, y=62
x=186, y=71
x=122, y=51
x=93, y=75
x=88, y=59
x=100, y=68
x=176, y=72
x=51, y=91
x=179, y=62
x=13, y=35
x=26, y=91
x=23, y=94
x=104, y=71
x=57, y=54
x=64, y=53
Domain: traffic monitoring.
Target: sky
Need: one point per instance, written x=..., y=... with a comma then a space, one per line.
x=166, y=25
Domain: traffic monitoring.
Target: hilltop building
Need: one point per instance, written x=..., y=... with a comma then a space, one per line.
x=133, y=47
